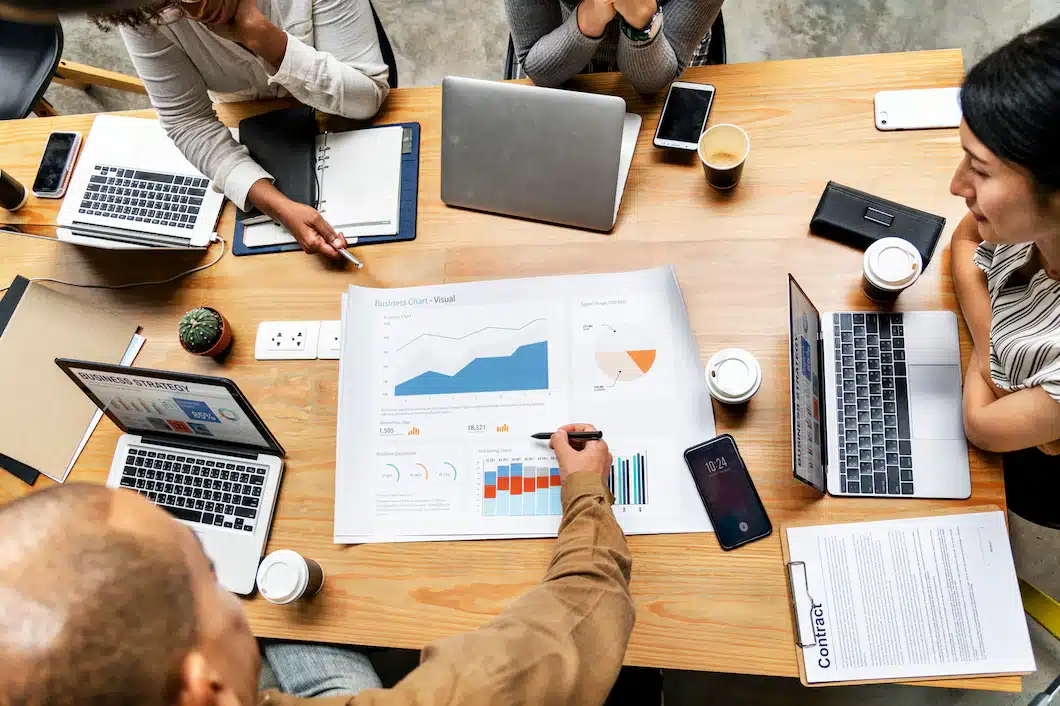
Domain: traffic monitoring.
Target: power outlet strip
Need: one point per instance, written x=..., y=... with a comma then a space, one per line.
x=297, y=340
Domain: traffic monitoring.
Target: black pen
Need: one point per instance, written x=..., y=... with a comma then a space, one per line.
x=572, y=435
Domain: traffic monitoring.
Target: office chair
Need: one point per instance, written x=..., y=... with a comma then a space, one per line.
x=29, y=55
x=716, y=53
x=1031, y=493
x=386, y=49
x=31, y=58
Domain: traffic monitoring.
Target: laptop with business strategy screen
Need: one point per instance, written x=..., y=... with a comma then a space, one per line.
x=540, y=153
x=876, y=402
x=194, y=446
x=133, y=189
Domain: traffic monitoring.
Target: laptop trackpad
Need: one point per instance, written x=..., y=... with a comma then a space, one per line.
x=935, y=408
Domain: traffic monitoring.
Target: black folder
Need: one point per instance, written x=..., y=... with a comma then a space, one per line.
x=283, y=142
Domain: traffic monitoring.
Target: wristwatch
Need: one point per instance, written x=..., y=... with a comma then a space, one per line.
x=648, y=33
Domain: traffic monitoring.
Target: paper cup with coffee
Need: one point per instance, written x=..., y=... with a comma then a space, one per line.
x=723, y=150
x=285, y=576
x=733, y=376
x=890, y=265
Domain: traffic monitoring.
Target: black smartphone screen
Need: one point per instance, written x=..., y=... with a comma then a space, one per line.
x=53, y=164
x=728, y=493
x=685, y=114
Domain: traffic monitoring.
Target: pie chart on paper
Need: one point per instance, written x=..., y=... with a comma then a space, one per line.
x=624, y=353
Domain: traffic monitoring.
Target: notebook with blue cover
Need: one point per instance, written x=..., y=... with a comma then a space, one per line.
x=408, y=198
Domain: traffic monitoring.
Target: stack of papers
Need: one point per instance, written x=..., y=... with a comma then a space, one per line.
x=441, y=387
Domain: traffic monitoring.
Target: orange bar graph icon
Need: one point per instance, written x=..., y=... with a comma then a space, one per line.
x=503, y=427
x=414, y=431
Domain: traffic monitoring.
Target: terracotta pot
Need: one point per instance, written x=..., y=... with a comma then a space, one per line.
x=222, y=343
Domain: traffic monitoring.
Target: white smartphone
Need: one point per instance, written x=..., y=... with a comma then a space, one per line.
x=56, y=165
x=684, y=115
x=918, y=110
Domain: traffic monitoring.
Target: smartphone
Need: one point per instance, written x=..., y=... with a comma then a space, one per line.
x=56, y=165
x=728, y=494
x=684, y=115
x=918, y=110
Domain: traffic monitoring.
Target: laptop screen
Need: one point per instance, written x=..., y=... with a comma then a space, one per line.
x=807, y=412
x=149, y=402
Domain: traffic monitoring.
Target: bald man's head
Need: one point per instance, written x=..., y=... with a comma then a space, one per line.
x=105, y=599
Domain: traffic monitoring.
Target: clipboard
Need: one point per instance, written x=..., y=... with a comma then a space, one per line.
x=407, y=213
x=993, y=682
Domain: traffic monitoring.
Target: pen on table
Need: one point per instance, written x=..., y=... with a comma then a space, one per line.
x=346, y=254
x=572, y=435
x=257, y=220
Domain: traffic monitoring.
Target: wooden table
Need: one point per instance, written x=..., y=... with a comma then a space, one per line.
x=697, y=607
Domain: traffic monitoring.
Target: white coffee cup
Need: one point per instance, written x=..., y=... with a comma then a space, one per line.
x=889, y=266
x=733, y=376
x=285, y=576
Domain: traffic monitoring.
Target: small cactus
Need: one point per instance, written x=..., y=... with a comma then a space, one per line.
x=200, y=329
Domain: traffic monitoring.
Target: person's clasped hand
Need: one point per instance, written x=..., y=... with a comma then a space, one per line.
x=235, y=20
x=593, y=457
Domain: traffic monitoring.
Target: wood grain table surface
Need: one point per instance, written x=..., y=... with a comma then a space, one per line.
x=809, y=121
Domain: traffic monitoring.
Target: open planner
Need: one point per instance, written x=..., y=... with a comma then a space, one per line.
x=906, y=599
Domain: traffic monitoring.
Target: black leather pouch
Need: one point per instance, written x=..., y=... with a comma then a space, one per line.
x=858, y=219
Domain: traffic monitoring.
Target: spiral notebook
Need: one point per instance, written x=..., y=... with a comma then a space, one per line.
x=358, y=182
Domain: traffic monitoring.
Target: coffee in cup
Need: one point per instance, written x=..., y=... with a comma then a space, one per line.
x=13, y=195
x=723, y=150
x=285, y=576
x=889, y=266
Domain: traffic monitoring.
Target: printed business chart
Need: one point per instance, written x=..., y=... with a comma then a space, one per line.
x=440, y=394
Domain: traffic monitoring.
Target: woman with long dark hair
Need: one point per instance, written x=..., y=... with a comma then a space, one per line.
x=193, y=53
x=1006, y=256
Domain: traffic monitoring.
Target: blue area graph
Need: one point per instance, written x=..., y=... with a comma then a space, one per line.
x=525, y=369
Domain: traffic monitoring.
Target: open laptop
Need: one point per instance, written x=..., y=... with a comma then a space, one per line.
x=132, y=188
x=540, y=153
x=194, y=446
x=876, y=402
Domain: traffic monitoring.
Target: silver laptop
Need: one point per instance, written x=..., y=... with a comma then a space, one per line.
x=540, y=153
x=132, y=188
x=876, y=402
x=194, y=446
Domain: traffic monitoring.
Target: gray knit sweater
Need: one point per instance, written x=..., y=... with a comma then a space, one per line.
x=552, y=49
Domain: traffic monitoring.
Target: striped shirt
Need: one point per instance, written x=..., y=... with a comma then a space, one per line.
x=1025, y=319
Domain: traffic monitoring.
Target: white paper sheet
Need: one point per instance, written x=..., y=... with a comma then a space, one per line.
x=904, y=599
x=127, y=358
x=440, y=388
x=360, y=180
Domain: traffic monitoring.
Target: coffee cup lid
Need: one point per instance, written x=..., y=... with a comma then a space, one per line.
x=733, y=375
x=283, y=576
x=893, y=262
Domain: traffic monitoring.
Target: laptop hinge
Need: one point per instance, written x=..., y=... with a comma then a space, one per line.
x=200, y=447
x=823, y=423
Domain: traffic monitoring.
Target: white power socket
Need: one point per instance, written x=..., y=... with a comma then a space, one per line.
x=287, y=340
x=330, y=340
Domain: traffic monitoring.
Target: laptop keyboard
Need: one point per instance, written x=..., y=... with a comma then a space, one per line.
x=139, y=196
x=202, y=490
x=875, y=455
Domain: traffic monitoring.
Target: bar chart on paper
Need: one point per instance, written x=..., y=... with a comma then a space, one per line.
x=628, y=481
x=518, y=488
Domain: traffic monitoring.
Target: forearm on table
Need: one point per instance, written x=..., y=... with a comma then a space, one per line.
x=562, y=642
x=1013, y=421
x=552, y=58
x=970, y=285
x=651, y=66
